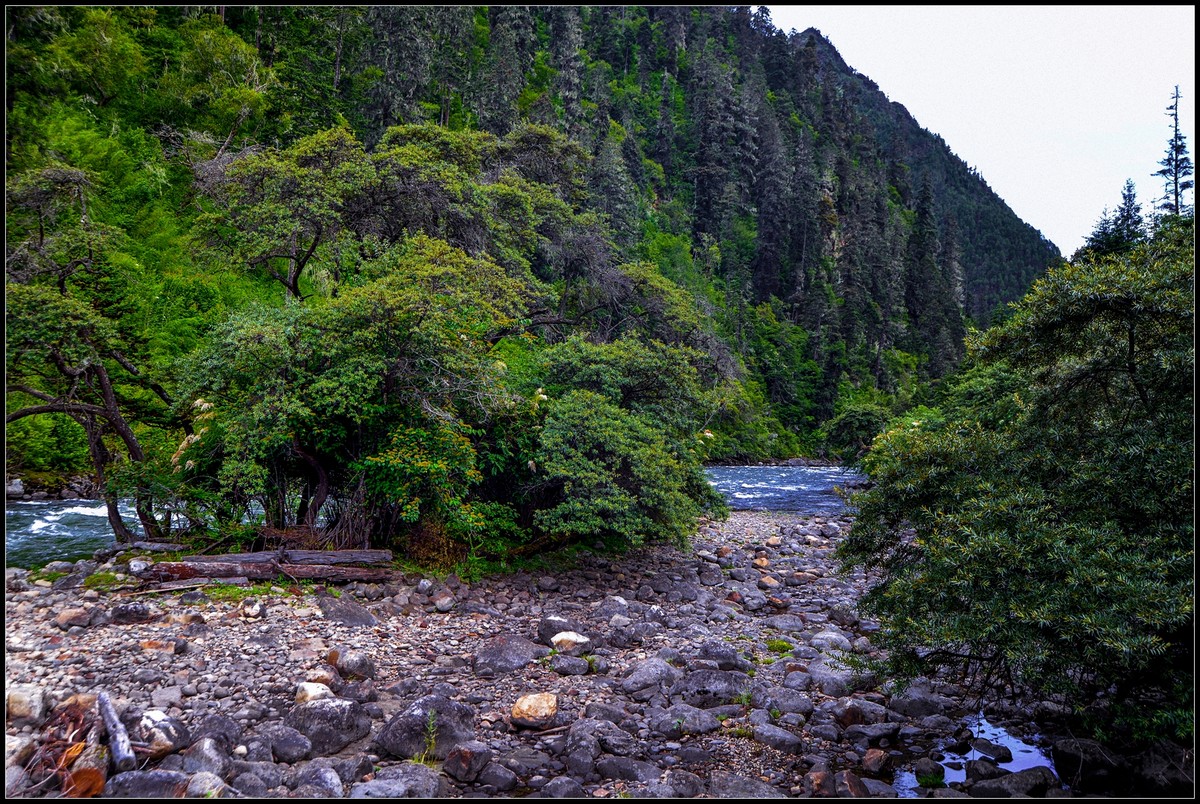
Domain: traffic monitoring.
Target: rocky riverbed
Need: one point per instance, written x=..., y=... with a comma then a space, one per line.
x=726, y=671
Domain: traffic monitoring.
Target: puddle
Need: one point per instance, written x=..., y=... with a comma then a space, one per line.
x=1025, y=755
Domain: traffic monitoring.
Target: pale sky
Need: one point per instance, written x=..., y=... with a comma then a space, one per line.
x=1055, y=106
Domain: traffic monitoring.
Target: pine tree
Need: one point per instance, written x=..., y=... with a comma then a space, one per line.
x=1176, y=165
x=1128, y=226
x=1116, y=232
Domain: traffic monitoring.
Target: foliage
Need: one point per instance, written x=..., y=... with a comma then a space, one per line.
x=1177, y=169
x=1041, y=532
x=609, y=475
x=357, y=272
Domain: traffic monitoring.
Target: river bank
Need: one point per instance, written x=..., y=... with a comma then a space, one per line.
x=724, y=671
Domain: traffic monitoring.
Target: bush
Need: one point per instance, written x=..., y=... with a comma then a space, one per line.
x=1042, y=534
x=614, y=477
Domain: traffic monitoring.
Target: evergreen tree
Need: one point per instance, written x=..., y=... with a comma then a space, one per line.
x=1116, y=232
x=1176, y=165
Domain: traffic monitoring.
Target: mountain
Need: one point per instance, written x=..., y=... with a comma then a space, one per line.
x=651, y=192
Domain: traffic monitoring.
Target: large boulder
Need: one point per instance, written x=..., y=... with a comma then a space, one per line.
x=709, y=688
x=505, y=654
x=161, y=734
x=1087, y=766
x=407, y=780
x=467, y=759
x=1031, y=782
x=430, y=727
x=346, y=612
x=285, y=743
x=683, y=719
x=919, y=700
x=330, y=723
x=650, y=673
x=731, y=785
x=147, y=784
x=1166, y=769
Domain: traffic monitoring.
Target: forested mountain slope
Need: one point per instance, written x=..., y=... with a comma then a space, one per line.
x=677, y=231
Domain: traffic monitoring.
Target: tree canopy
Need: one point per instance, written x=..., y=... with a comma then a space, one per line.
x=1040, y=527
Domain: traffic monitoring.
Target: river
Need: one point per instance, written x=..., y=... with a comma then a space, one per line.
x=38, y=532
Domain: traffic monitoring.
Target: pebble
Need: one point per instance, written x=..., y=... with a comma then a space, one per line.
x=678, y=619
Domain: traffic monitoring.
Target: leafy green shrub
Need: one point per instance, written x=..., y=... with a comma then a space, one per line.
x=1043, y=532
x=612, y=475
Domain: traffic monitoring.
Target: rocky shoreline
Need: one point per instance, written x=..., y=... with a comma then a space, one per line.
x=725, y=671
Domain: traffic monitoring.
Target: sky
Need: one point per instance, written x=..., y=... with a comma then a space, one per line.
x=1055, y=106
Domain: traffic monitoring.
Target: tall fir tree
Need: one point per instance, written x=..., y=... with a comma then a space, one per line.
x=1176, y=169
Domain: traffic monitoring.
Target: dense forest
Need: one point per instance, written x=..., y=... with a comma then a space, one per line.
x=482, y=283
x=468, y=280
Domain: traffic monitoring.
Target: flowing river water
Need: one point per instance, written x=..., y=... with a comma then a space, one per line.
x=40, y=531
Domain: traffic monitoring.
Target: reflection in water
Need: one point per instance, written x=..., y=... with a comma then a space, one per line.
x=1024, y=756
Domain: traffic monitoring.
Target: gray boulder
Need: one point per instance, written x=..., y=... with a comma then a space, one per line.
x=432, y=725
x=650, y=673
x=563, y=787
x=918, y=700
x=287, y=744
x=407, y=780
x=147, y=784
x=709, y=688
x=731, y=785
x=778, y=738
x=329, y=723
x=506, y=653
x=683, y=719
x=346, y=612
x=467, y=759
x=208, y=755
x=1032, y=782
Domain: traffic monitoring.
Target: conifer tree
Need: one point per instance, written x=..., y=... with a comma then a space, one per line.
x=1176, y=165
x=1116, y=232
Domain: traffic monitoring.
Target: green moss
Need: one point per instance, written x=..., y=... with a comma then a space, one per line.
x=231, y=593
x=779, y=645
x=102, y=581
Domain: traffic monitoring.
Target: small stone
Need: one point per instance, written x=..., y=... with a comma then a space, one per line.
x=26, y=704
x=310, y=691
x=571, y=643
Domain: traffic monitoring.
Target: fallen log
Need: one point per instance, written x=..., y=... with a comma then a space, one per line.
x=317, y=557
x=89, y=772
x=185, y=571
x=118, y=737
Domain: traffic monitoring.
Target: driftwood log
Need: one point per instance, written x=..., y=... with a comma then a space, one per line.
x=261, y=571
x=118, y=737
x=310, y=557
x=89, y=772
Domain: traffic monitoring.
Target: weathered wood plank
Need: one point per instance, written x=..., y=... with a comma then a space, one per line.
x=182, y=571
x=118, y=738
x=298, y=557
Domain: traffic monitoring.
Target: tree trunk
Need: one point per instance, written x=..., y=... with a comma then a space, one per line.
x=262, y=571
x=307, y=557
